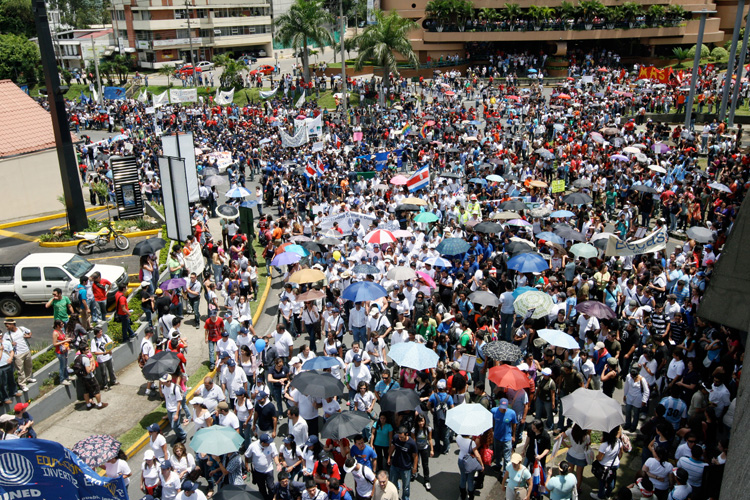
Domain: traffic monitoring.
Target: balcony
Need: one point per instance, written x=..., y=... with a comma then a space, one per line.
x=241, y=40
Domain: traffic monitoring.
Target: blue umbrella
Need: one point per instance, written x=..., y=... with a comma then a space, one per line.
x=528, y=263
x=363, y=291
x=437, y=262
x=320, y=363
x=520, y=291
x=477, y=180
x=561, y=214
x=551, y=237
x=238, y=192
x=532, y=70
x=286, y=258
x=452, y=246
x=413, y=355
x=298, y=249
x=249, y=204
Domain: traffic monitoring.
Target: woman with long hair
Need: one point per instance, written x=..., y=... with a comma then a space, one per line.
x=610, y=452
x=182, y=461
x=291, y=457
x=657, y=468
x=579, y=444
x=561, y=486
x=422, y=434
x=150, y=474
x=382, y=435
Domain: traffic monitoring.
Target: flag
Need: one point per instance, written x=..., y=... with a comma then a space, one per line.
x=337, y=141
x=223, y=98
x=357, y=136
x=423, y=132
x=298, y=139
x=114, y=93
x=161, y=99
x=406, y=129
x=419, y=180
x=319, y=166
x=265, y=94
x=310, y=170
x=301, y=100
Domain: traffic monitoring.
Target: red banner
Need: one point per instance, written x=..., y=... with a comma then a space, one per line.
x=655, y=74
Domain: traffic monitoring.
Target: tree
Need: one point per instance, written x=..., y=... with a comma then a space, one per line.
x=656, y=13
x=17, y=18
x=589, y=9
x=630, y=11
x=305, y=22
x=19, y=60
x=380, y=41
x=83, y=13
x=440, y=10
x=511, y=12
x=121, y=65
x=681, y=54
x=231, y=77
x=168, y=71
x=567, y=11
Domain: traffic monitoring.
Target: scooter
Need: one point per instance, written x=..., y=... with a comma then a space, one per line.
x=99, y=239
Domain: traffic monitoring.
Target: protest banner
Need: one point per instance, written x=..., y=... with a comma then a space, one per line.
x=652, y=243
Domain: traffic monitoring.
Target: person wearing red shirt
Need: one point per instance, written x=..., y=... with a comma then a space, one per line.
x=123, y=312
x=324, y=470
x=214, y=326
x=100, y=287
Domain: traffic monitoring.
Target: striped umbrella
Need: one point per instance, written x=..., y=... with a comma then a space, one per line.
x=380, y=236
x=538, y=304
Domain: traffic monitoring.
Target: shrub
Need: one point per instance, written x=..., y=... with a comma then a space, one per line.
x=705, y=51
x=719, y=53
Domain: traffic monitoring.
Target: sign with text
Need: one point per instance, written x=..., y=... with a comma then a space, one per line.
x=557, y=186
x=652, y=243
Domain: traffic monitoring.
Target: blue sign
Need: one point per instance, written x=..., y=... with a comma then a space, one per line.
x=37, y=468
x=114, y=93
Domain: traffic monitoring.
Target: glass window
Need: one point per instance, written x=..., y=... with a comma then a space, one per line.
x=31, y=274
x=55, y=274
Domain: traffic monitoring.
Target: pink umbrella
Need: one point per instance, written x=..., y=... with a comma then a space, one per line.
x=402, y=233
x=450, y=92
x=380, y=237
x=518, y=222
x=301, y=117
x=427, y=279
x=399, y=180
x=429, y=123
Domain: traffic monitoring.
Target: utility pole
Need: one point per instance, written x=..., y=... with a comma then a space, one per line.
x=66, y=156
x=345, y=95
x=737, y=83
x=732, y=55
x=96, y=69
x=190, y=39
x=696, y=64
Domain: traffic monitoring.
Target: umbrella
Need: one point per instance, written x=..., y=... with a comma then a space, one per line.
x=209, y=171
x=508, y=377
x=286, y=258
x=494, y=178
x=249, y=204
x=478, y=180
x=505, y=215
x=216, y=440
x=657, y=168
x=149, y=246
x=413, y=355
x=298, y=249
x=528, y=263
x=301, y=238
x=328, y=241
x=160, y=364
x=643, y=188
x=610, y=131
x=401, y=273
x=320, y=363
x=539, y=304
x=318, y=385
x=548, y=236
x=519, y=246
x=452, y=246
x=584, y=250
x=620, y=157
x=238, y=192
x=363, y=291
x=569, y=233
x=488, y=227
x=577, y=199
x=500, y=350
x=631, y=150
x=399, y=180
x=519, y=222
x=719, y=187
x=311, y=246
x=513, y=205
x=380, y=236
x=596, y=309
x=402, y=233
x=438, y=262
x=310, y=295
x=700, y=234
x=96, y=450
x=408, y=208
x=365, y=269
x=521, y=290
x=660, y=147
x=469, y=419
x=345, y=424
x=228, y=212
x=307, y=276
x=232, y=492
x=426, y=278
x=426, y=217
x=215, y=180
x=484, y=298
x=592, y=410
x=400, y=399
x=414, y=201
x=173, y=283
x=582, y=183
x=540, y=212
x=558, y=338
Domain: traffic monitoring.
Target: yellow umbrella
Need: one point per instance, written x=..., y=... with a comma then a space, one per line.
x=307, y=276
x=413, y=201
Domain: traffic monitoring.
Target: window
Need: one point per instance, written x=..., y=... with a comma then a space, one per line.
x=120, y=15
x=181, y=14
x=55, y=274
x=201, y=13
x=31, y=274
x=181, y=34
x=144, y=35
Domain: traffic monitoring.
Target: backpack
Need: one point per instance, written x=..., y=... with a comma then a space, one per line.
x=441, y=410
x=75, y=298
x=78, y=367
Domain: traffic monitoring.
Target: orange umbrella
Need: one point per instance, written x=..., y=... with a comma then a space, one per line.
x=282, y=247
x=508, y=377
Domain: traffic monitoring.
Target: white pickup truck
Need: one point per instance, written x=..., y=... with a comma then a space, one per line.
x=32, y=280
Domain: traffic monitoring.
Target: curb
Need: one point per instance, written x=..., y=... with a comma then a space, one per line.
x=44, y=218
x=138, y=445
x=62, y=244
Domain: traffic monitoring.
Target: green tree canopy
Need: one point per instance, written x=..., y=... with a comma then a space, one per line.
x=17, y=18
x=19, y=60
x=305, y=22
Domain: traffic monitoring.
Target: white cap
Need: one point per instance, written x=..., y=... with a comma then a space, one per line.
x=148, y=455
x=523, y=367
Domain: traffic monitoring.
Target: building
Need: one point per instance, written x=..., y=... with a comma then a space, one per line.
x=75, y=49
x=488, y=31
x=158, y=30
x=29, y=169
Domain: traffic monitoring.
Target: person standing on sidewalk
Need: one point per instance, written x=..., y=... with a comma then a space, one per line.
x=194, y=297
x=61, y=343
x=7, y=380
x=90, y=385
x=214, y=326
x=123, y=313
x=18, y=337
x=172, y=399
x=100, y=287
x=105, y=371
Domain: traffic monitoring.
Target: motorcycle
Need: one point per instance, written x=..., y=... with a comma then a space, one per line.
x=99, y=239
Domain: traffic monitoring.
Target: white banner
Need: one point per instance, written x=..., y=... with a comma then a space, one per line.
x=587, y=79
x=143, y=97
x=194, y=262
x=314, y=125
x=318, y=146
x=346, y=221
x=161, y=99
x=223, y=159
x=651, y=243
x=183, y=95
x=265, y=94
x=299, y=138
x=224, y=98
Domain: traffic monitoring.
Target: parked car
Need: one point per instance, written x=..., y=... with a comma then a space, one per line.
x=249, y=60
x=32, y=280
x=262, y=53
x=204, y=66
x=186, y=70
x=265, y=69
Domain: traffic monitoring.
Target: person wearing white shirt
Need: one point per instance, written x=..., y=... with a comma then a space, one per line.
x=172, y=402
x=648, y=365
x=585, y=324
x=308, y=408
x=233, y=379
x=264, y=457
x=227, y=345
x=283, y=342
x=18, y=335
x=358, y=372
x=170, y=481
x=354, y=351
x=297, y=425
x=364, y=477
x=190, y=491
x=330, y=407
x=358, y=323
x=718, y=396
x=211, y=393
x=227, y=418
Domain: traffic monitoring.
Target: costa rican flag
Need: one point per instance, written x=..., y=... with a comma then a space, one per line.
x=319, y=166
x=310, y=170
x=337, y=141
x=420, y=179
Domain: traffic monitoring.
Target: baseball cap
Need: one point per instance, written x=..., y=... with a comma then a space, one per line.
x=261, y=395
x=222, y=406
x=455, y=365
x=266, y=438
x=599, y=345
x=20, y=406
x=503, y=403
x=196, y=401
x=349, y=468
x=188, y=485
x=357, y=358
x=442, y=384
x=288, y=439
x=312, y=441
x=166, y=378
x=546, y=371
x=145, y=284
x=166, y=464
x=516, y=458
x=681, y=474
x=231, y=363
x=225, y=333
x=148, y=455
x=523, y=367
x=240, y=392
x=244, y=330
x=214, y=312
x=153, y=428
x=324, y=456
x=632, y=303
x=159, y=291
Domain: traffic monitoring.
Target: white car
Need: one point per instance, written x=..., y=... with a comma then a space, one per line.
x=204, y=65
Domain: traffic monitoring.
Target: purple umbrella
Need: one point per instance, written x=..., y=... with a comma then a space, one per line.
x=596, y=309
x=173, y=283
x=286, y=258
x=660, y=148
x=620, y=158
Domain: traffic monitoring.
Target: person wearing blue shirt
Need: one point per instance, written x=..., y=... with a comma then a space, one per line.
x=336, y=491
x=465, y=305
x=676, y=407
x=440, y=402
x=363, y=452
x=385, y=384
x=504, y=421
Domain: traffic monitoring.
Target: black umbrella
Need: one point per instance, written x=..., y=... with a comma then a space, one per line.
x=345, y=424
x=397, y=400
x=700, y=234
x=577, y=199
x=582, y=183
x=499, y=350
x=484, y=298
x=513, y=205
x=596, y=309
x=318, y=384
x=569, y=233
x=149, y=246
x=328, y=241
x=488, y=227
x=450, y=175
x=228, y=212
x=408, y=207
x=311, y=246
x=601, y=243
x=233, y=492
x=160, y=364
x=642, y=188
x=516, y=247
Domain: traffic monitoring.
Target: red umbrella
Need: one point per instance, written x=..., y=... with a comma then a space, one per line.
x=509, y=377
x=563, y=96
x=450, y=92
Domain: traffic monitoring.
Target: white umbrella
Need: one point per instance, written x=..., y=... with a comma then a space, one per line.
x=558, y=338
x=592, y=410
x=631, y=150
x=657, y=168
x=401, y=273
x=540, y=302
x=469, y=419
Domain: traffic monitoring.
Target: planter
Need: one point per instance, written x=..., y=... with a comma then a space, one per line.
x=537, y=28
x=610, y=26
x=588, y=27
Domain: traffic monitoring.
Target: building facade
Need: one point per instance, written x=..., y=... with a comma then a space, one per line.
x=158, y=30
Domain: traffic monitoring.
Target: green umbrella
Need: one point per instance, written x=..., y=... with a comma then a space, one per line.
x=584, y=250
x=425, y=217
x=538, y=302
x=216, y=440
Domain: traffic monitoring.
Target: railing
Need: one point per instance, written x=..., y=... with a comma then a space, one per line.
x=530, y=25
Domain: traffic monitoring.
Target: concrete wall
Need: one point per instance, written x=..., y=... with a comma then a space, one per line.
x=31, y=184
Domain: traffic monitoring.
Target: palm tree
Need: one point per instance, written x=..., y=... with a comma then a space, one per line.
x=489, y=15
x=681, y=54
x=631, y=11
x=305, y=23
x=440, y=10
x=379, y=41
x=567, y=13
x=167, y=71
x=511, y=12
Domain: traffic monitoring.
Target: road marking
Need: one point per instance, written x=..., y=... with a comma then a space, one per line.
x=18, y=236
x=33, y=317
x=111, y=257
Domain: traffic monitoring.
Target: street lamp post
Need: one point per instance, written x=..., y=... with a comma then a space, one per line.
x=96, y=69
x=190, y=40
x=732, y=55
x=738, y=81
x=696, y=64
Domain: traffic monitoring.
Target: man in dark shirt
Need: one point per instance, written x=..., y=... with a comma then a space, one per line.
x=265, y=417
x=285, y=489
x=402, y=458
